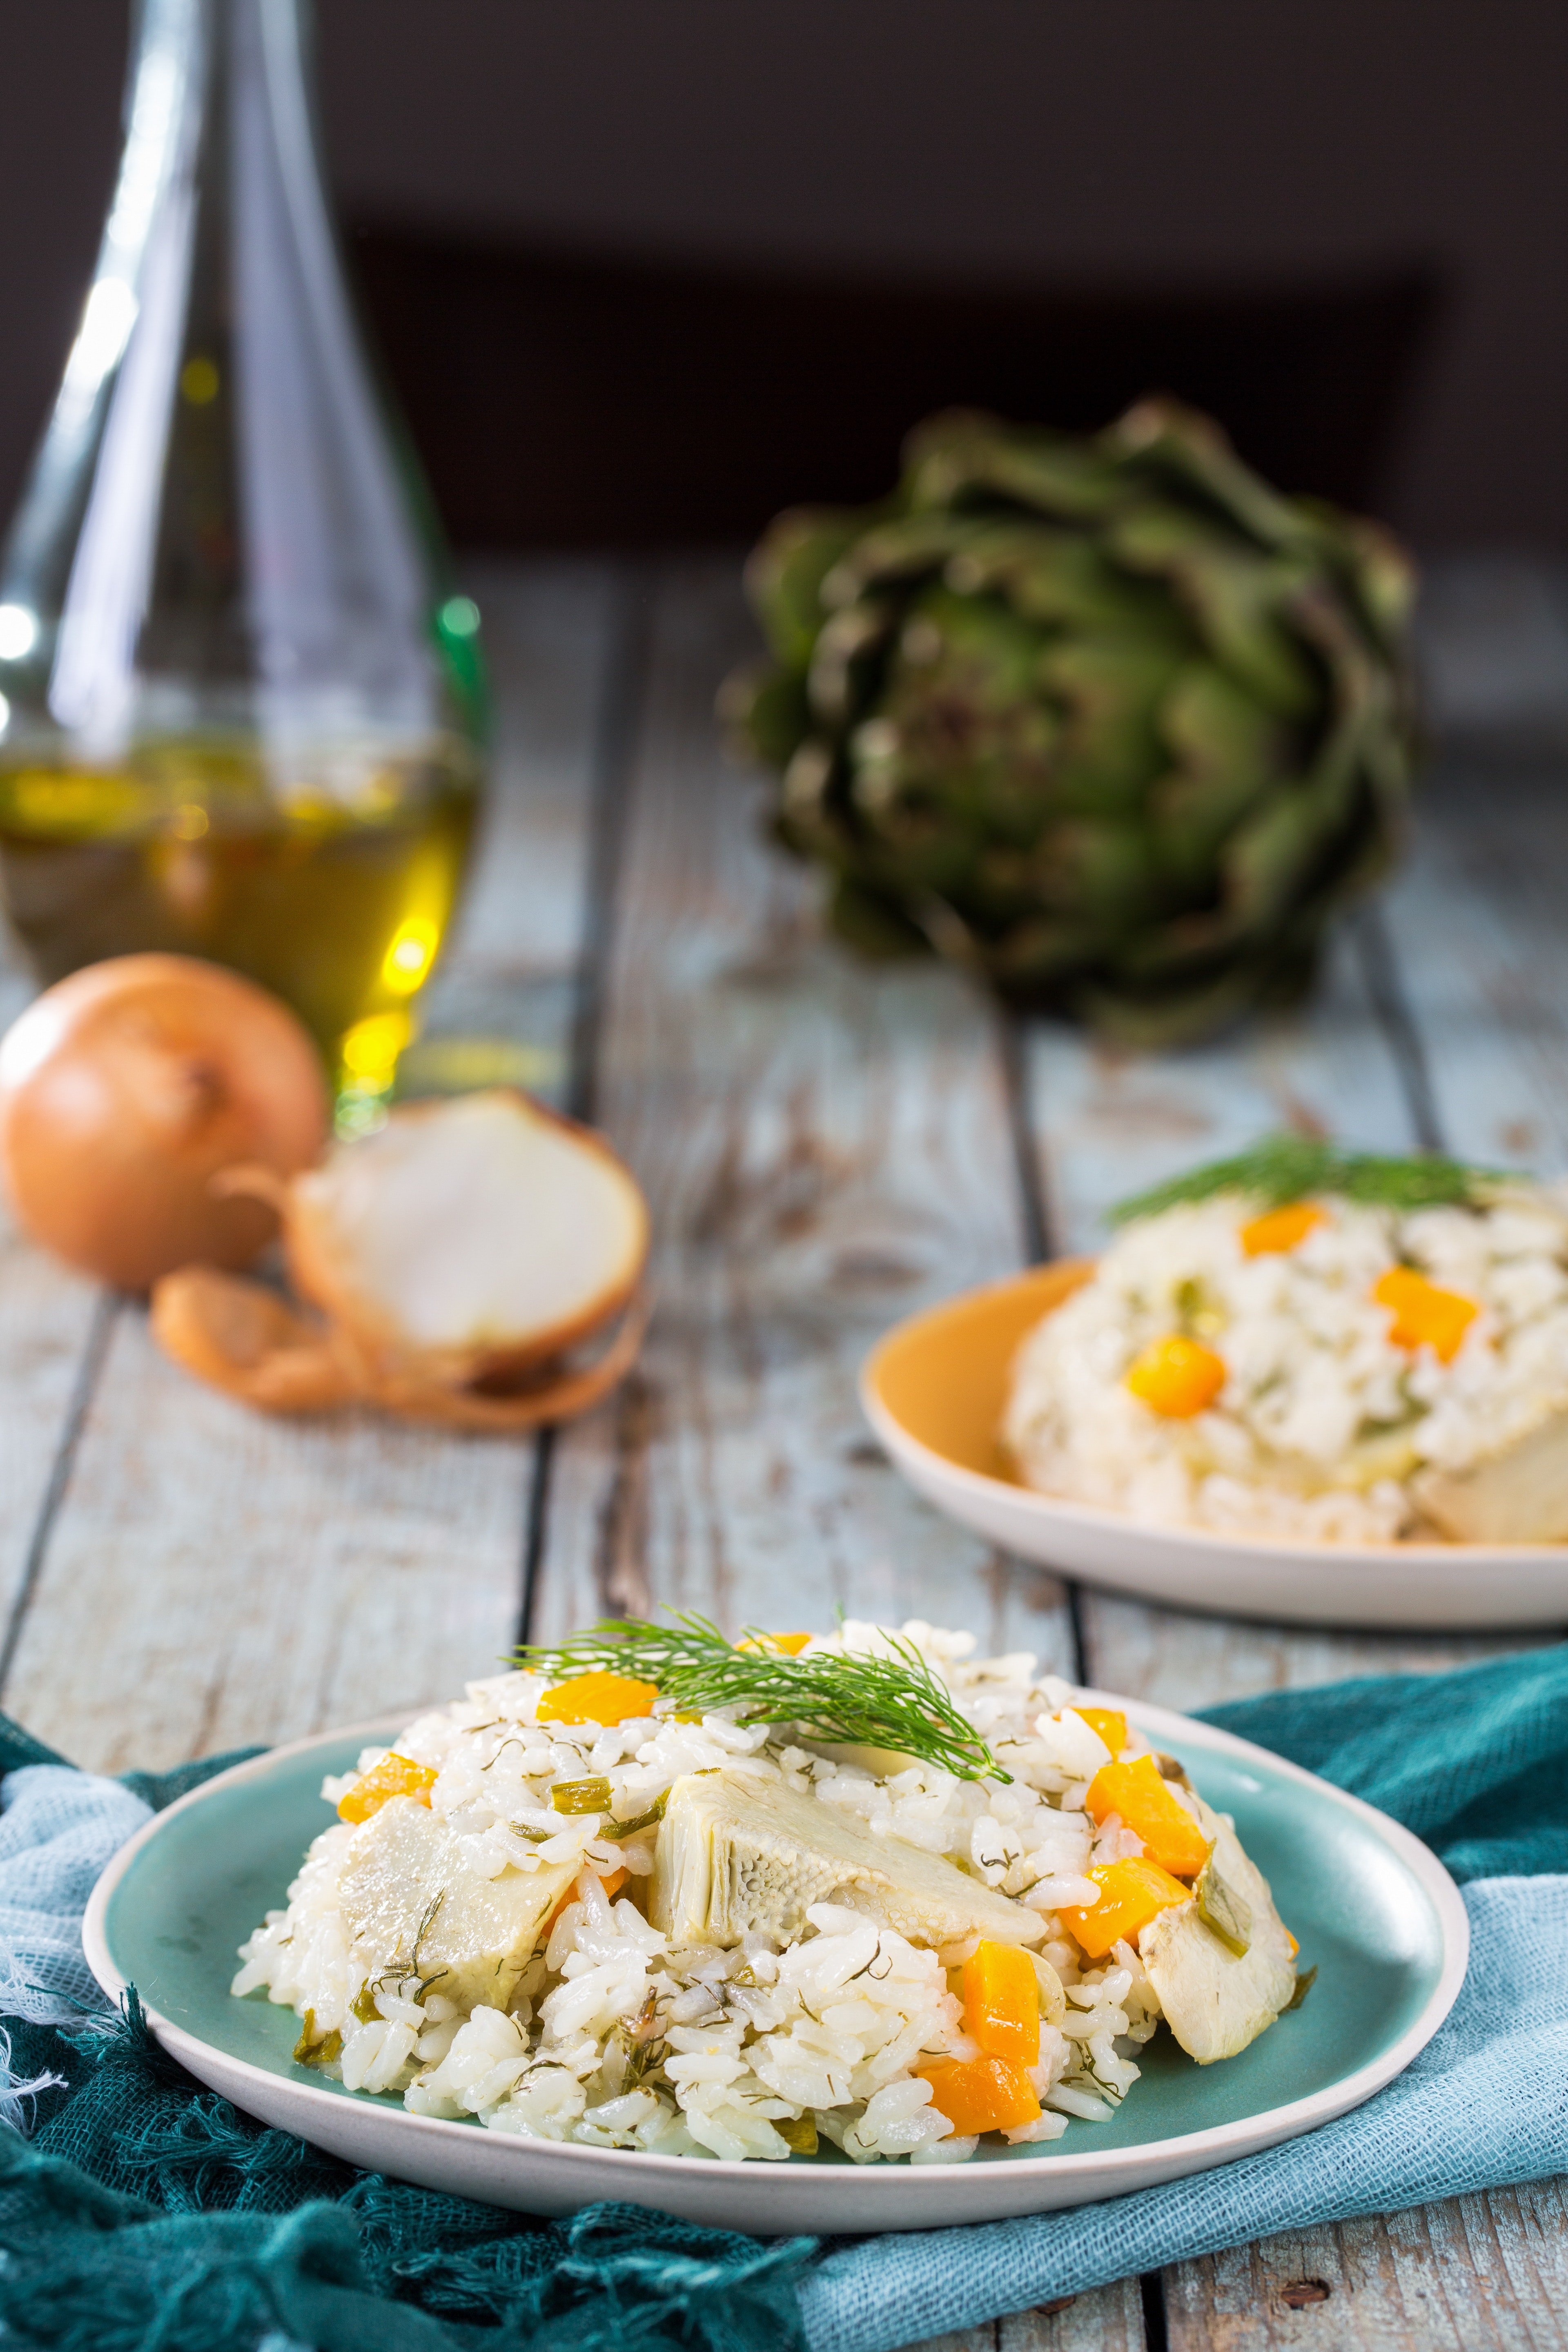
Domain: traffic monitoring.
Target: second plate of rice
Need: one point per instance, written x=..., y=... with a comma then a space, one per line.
x=1304, y=1385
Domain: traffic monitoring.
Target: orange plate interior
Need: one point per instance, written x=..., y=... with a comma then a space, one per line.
x=942, y=1375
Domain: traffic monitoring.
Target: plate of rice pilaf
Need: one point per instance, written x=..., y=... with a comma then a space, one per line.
x=846, y=1932
x=1303, y=1383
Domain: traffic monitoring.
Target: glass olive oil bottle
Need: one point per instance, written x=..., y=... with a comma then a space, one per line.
x=241, y=715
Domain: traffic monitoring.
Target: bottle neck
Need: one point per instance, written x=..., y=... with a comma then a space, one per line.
x=216, y=517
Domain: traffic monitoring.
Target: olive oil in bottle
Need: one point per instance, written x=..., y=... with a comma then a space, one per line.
x=241, y=715
x=336, y=902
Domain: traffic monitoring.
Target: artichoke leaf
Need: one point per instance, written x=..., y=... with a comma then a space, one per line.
x=1519, y=1495
x=1185, y=446
x=1036, y=951
x=1219, y=733
x=764, y=713
x=808, y=783
x=952, y=457
x=1231, y=751
x=845, y=660
x=785, y=573
x=1112, y=694
x=1058, y=579
x=1384, y=581
x=1290, y=834
x=962, y=661
x=1235, y=596
x=1108, y=871
x=902, y=550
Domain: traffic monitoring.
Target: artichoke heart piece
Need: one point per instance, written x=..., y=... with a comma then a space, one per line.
x=1215, y=1999
x=735, y=1854
x=1517, y=1496
x=413, y=1905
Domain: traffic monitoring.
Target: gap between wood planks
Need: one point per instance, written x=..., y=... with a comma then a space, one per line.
x=94, y=1349
x=617, y=722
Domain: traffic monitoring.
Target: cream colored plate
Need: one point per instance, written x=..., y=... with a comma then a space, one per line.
x=934, y=1390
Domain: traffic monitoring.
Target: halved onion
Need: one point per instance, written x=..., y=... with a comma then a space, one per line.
x=457, y=1256
x=468, y=1240
x=125, y=1087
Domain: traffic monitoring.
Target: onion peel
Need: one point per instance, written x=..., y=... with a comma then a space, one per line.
x=563, y=1398
x=238, y=1336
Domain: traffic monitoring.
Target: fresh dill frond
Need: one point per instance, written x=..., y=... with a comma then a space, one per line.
x=1284, y=1168
x=892, y=1700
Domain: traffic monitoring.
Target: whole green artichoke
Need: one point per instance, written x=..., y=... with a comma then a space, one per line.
x=1109, y=721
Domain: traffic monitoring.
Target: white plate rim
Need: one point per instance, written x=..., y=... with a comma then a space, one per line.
x=1431, y=1584
x=917, y=2197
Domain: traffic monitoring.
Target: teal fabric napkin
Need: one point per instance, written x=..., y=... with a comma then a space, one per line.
x=139, y=2211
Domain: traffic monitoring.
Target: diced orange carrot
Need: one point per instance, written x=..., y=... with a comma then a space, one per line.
x=980, y=2094
x=1424, y=1315
x=1130, y=1894
x=394, y=1776
x=1176, y=1377
x=1002, y=2002
x=597, y=1698
x=1290, y=1939
x=614, y=1880
x=1279, y=1229
x=1134, y=1789
x=1110, y=1724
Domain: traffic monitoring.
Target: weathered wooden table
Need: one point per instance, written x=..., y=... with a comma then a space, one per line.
x=825, y=1148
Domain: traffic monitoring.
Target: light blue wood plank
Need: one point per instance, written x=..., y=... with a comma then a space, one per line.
x=1110, y=1123
x=825, y=1146
x=1479, y=920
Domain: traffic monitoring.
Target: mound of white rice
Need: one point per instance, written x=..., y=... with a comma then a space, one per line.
x=1324, y=1427
x=618, y=2037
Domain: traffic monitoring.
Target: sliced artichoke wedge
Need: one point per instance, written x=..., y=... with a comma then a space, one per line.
x=415, y=1906
x=736, y=1854
x=1216, y=1999
x=1519, y=1495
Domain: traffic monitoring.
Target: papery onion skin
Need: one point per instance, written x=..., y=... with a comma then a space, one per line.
x=125, y=1088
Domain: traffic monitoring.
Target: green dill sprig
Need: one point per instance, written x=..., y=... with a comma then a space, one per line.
x=892, y=1700
x=1284, y=1168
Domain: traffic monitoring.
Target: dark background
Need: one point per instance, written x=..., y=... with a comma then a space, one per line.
x=645, y=268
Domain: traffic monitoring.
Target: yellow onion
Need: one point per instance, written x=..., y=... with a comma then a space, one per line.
x=126, y=1088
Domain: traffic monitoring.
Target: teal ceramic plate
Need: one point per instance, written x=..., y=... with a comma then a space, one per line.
x=1374, y=1910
